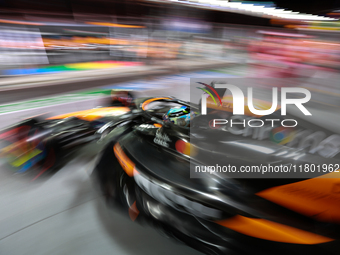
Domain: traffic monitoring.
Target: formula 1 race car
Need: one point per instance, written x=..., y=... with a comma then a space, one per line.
x=153, y=167
x=147, y=170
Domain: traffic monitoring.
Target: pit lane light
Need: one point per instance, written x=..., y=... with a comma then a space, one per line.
x=252, y=9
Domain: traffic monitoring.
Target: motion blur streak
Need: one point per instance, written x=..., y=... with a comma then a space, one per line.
x=133, y=211
x=124, y=161
x=272, y=231
x=105, y=73
x=147, y=102
x=113, y=25
x=318, y=198
x=47, y=165
x=94, y=114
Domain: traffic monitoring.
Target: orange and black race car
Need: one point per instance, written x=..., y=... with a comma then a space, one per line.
x=149, y=164
x=149, y=172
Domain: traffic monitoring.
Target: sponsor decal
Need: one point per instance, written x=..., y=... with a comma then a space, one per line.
x=185, y=148
x=282, y=135
x=145, y=126
x=315, y=142
x=162, y=139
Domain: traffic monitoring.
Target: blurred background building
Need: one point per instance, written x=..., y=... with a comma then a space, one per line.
x=86, y=47
x=52, y=34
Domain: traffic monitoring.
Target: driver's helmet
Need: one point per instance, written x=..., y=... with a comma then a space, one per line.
x=180, y=116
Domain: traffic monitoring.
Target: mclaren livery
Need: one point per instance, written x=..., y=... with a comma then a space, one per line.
x=145, y=170
x=39, y=145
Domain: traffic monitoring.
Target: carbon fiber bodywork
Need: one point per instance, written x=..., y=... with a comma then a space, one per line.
x=150, y=181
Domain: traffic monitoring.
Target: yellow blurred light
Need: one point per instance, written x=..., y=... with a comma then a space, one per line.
x=113, y=25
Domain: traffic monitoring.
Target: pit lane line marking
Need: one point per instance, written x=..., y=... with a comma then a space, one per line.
x=46, y=218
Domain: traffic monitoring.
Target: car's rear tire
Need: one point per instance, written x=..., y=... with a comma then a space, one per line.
x=26, y=151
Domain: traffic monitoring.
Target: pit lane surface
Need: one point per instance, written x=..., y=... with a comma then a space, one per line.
x=64, y=214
